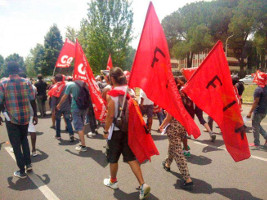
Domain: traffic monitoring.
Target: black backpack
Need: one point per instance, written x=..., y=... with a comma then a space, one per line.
x=82, y=100
x=122, y=121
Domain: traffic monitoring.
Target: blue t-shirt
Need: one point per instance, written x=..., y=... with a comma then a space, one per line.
x=262, y=94
x=73, y=89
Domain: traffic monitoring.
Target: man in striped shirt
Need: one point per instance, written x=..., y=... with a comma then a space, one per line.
x=16, y=96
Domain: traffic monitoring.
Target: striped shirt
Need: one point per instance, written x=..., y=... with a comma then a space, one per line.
x=16, y=94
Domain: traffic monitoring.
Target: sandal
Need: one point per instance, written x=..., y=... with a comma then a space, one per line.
x=168, y=169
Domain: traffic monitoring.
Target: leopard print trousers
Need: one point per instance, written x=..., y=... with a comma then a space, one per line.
x=176, y=133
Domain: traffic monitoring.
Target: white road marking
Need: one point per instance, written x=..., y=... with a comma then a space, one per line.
x=49, y=194
x=206, y=145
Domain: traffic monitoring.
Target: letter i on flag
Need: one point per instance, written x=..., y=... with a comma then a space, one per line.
x=83, y=72
x=66, y=55
x=151, y=71
x=211, y=89
x=109, y=65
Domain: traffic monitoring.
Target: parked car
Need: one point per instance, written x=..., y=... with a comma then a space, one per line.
x=248, y=80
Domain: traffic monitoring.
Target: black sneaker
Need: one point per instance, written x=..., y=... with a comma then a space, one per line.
x=168, y=169
x=19, y=174
x=71, y=138
x=213, y=137
x=187, y=186
x=28, y=167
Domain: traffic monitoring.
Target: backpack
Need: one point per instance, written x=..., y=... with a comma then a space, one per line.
x=82, y=100
x=122, y=122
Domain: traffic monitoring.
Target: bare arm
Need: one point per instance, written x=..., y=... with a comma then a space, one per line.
x=166, y=121
x=35, y=119
x=254, y=105
x=110, y=115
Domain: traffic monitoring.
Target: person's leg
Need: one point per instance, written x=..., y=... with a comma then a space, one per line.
x=33, y=140
x=25, y=144
x=58, y=123
x=39, y=104
x=137, y=171
x=169, y=159
x=15, y=140
x=66, y=116
x=210, y=123
x=43, y=105
x=180, y=160
x=262, y=131
x=113, y=170
x=256, y=128
x=53, y=117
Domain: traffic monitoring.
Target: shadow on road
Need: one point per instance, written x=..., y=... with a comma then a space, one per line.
x=119, y=194
x=199, y=160
x=41, y=156
x=202, y=187
x=159, y=137
x=68, y=143
x=26, y=184
x=39, y=133
x=97, y=156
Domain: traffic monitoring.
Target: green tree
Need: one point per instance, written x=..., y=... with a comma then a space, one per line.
x=107, y=30
x=52, y=46
x=71, y=34
x=249, y=17
x=197, y=26
x=16, y=58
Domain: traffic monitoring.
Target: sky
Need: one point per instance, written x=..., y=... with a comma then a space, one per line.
x=24, y=23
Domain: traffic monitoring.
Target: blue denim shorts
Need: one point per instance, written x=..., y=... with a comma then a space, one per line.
x=78, y=119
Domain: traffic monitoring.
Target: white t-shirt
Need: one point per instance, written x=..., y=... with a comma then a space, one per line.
x=115, y=99
x=147, y=101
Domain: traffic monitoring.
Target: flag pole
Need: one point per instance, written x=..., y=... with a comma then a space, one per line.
x=54, y=71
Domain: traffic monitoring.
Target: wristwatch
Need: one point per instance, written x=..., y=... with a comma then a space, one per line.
x=105, y=132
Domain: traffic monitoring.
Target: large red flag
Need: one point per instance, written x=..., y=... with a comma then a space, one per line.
x=66, y=55
x=211, y=89
x=151, y=71
x=83, y=71
x=188, y=72
x=109, y=65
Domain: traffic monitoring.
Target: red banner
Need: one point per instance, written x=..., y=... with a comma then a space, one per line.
x=66, y=55
x=152, y=72
x=188, y=72
x=83, y=71
x=260, y=78
x=211, y=89
x=109, y=65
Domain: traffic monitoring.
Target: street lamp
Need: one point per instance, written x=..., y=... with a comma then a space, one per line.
x=226, y=44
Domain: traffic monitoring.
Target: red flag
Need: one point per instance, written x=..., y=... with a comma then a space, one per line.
x=83, y=71
x=211, y=89
x=188, y=72
x=109, y=65
x=260, y=78
x=141, y=143
x=151, y=71
x=66, y=55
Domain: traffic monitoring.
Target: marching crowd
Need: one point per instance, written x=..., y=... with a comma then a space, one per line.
x=71, y=101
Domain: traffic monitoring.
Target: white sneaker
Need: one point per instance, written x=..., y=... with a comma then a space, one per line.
x=81, y=148
x=91, y=134
x=108, y=183
x=34, y=154
x=144, y=191
x=11, y=150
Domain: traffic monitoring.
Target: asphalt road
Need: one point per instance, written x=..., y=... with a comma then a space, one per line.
x=60, y=172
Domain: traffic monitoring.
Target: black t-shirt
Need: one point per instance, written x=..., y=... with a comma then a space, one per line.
x=41, y=88
x=262, y=94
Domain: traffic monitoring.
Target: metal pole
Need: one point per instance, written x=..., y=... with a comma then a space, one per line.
x=226, y=44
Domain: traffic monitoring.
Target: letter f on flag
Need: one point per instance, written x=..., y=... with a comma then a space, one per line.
x=151, y=71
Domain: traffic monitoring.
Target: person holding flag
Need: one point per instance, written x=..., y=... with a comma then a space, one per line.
x=117, y=138
x=259, y=107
